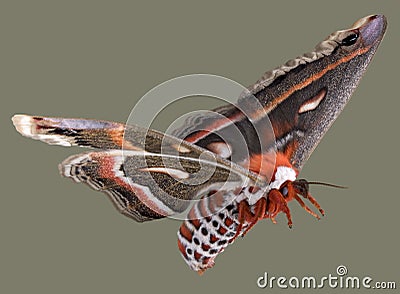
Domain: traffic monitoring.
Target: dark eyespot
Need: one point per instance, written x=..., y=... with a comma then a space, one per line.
x=350, y=39
x=284, y=191
x=189, y=251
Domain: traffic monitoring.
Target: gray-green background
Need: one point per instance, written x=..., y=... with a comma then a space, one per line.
x=95, y=59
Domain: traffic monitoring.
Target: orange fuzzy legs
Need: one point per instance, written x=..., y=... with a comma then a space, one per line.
x=276, y=202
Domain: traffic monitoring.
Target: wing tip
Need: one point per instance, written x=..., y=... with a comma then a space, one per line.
x=23, y=124
x=37, y=128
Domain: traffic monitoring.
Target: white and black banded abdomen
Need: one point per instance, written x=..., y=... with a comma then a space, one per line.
x=203, y=236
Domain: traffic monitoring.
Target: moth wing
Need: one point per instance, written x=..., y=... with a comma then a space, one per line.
x=101, y=172
x=104, y=135
x=153, y=176
x=301, y=98
x=146, y=186
x=71, y=131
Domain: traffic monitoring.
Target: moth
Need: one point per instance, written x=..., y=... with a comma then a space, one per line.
x=149, y=175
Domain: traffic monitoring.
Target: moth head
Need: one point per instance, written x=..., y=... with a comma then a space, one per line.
x=290, y=189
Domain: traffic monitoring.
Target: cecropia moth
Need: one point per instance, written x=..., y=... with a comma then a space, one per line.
x=147, y=174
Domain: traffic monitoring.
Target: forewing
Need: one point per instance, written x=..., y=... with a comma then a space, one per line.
x=301, y=99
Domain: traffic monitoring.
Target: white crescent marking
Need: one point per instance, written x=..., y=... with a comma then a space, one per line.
x=175, y=173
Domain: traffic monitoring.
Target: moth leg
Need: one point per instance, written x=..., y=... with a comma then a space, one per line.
x=277, y=203
x=301, y=187
x=305, y=207
x=315, y=203
x=259, y=211
x=245, y=215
